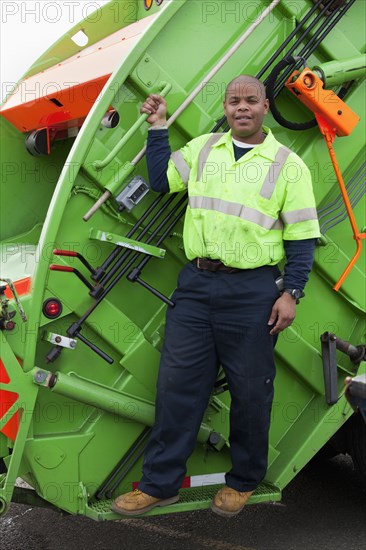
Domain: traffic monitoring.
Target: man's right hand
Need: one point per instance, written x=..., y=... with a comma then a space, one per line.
x=155, y=106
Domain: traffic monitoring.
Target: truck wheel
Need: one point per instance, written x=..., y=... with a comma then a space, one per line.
x=356, y=443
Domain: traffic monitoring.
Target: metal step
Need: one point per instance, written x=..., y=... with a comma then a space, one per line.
x=194, y=498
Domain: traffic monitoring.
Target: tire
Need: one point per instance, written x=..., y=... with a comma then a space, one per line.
x=356, y=443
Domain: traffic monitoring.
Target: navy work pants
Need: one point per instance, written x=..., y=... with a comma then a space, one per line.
x=218, y=318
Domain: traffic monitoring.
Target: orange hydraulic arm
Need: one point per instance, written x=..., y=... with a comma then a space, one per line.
x=334, y=118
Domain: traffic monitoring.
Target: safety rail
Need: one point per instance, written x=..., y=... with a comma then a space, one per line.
x=100, y=164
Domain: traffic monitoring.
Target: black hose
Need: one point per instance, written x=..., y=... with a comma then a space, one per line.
x=289, y=60
x=316, y=40
x=274, y=88
x=294, y=33
x=324, y=28
x=313, y=23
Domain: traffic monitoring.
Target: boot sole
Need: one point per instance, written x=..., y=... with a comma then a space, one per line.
x=223, y=513
x=164, y=502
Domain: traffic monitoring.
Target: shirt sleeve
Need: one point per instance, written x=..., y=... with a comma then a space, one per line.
x=299, y=261
x=157, y=159
x=298, y=212
x=168, y=172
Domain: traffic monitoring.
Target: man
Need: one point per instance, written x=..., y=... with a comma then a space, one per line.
x=249, y=199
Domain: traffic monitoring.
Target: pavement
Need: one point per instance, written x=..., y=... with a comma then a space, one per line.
x=323, y=508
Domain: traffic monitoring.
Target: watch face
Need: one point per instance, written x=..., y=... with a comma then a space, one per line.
x=296, y=293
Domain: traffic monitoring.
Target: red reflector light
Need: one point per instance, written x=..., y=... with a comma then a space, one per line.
x=52, y=308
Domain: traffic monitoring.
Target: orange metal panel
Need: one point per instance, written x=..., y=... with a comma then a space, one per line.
x=22, y=287
x=62, y=96
x=75, y=104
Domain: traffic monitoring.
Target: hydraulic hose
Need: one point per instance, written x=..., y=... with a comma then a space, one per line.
x=271, y=84
x=274, y=88
x=326, y=25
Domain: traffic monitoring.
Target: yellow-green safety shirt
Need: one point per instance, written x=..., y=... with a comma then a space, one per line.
x=239, y=211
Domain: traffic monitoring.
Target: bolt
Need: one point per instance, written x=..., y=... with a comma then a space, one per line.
x=149, y=83
x=339, y=112
x=214, y=438
x=58, y=339
x=147, y=60
x=109, y=237
x=40, y=376
x=72, y=344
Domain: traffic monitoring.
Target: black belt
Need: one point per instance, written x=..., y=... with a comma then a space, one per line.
x=214, y=265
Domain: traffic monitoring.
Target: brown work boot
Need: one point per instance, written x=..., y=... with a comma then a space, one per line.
x=229, y=502
x=136, y=502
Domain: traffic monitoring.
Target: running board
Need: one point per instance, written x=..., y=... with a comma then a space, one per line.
x=191, y=499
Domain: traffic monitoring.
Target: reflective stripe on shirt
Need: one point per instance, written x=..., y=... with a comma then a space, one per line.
x=181, y=165
x=205, y=151
x=274, y=172
x=301, y=215
x=235, y=209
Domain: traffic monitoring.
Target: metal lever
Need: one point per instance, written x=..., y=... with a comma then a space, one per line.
x=328, y=342
x=134, y=277
x=95, y=348
x=67, y=269
x=70, y=253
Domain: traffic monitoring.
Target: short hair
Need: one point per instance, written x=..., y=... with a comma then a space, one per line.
x=247, y=77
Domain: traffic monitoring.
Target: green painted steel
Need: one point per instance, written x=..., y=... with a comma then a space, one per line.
x=127, y=243
x=77, y=428
x=337, y=72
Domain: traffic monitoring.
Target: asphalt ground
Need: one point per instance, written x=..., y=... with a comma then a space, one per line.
x=323, y=508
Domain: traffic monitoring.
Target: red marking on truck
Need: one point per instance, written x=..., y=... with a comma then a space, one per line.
x=7, y=400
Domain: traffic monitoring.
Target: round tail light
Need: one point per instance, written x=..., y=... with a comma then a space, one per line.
x=52, y=308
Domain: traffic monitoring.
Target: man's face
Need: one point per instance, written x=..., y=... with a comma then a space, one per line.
x=245, y=106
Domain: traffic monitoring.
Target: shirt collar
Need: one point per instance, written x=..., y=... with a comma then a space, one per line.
x=266, y=149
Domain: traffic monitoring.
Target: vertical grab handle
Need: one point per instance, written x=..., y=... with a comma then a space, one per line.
x=100, y=164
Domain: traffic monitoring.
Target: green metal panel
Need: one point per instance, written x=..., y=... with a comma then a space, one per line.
x=97, y=413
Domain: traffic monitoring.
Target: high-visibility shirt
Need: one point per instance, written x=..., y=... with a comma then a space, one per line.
x=240, y=211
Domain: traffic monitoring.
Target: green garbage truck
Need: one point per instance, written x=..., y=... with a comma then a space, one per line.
x=90, y=253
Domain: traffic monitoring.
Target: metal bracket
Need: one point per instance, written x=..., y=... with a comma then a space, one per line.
x=59, y=340
x=217, y=440
x=328, y=343
x=137, y=246
x=16, y=298
x=133, y=193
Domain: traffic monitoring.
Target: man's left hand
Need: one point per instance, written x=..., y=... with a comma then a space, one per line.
x=283, y=313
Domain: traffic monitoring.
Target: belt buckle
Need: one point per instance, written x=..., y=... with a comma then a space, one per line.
x=198, y=263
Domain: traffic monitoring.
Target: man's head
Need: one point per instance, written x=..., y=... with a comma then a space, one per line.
x=245, y=106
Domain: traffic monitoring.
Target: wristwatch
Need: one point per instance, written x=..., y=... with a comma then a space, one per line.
x=296, y=293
